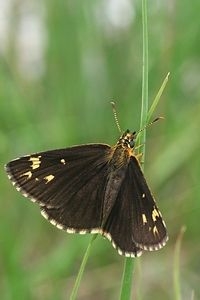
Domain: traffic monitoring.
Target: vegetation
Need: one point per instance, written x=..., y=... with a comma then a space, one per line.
x=60, y=96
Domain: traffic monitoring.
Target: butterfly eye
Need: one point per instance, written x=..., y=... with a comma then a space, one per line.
x=132, y=143
x=132, y=139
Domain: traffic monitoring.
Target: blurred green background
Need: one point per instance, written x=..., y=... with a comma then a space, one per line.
x=61, y=63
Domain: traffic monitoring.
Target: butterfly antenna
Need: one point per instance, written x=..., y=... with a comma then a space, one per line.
x=149, y=124
x=115, y=115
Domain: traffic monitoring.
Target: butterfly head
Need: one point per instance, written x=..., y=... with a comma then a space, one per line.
x=127, y=139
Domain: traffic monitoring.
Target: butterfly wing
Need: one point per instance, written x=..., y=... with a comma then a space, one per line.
x=149, y=230
x=135, y=223
x=118, y=227
x=68, y=184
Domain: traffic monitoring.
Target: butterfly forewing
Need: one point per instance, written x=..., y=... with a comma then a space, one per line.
x=135, y=223
x=65, y=183
x=148, y=227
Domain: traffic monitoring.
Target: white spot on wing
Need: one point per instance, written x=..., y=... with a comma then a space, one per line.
x=155, y=214
x=35, y=161
x=144, y=219
x=155, y=231
x=28, y=174
x=49, y=178
x=63, y=161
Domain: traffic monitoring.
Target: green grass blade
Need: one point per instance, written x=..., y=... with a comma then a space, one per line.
x=157, y=98
x=127, y=279
x=129, y=263
x=81, y=270
x=144, y=102
x=176, y=271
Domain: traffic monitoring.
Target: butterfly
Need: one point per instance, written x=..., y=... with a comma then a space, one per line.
x=94, y=188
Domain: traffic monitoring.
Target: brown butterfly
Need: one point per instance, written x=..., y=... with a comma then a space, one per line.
x=94, y=188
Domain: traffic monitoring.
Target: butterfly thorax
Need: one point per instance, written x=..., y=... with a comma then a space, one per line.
x=123, y=150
